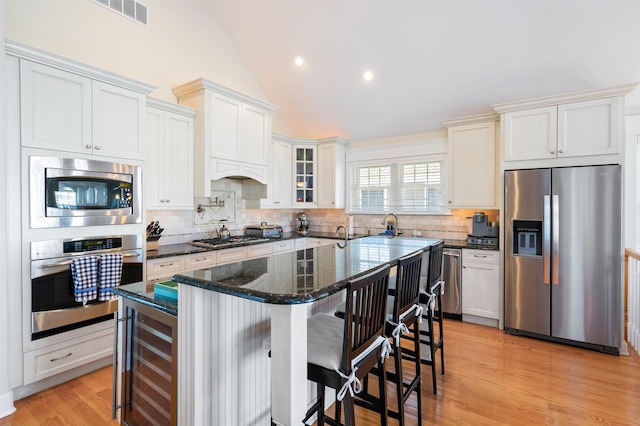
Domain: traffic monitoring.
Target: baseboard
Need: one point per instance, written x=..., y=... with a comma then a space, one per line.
x=6, y=404
x=490, y=322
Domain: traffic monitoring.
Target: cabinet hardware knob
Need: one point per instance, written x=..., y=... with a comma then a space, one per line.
x=553, y=152
x=561, y=151
x=162, y=201
x=87, y=146
x=97, y=148
x=168, y=200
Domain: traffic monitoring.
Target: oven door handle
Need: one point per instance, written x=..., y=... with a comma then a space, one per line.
x=68, y=262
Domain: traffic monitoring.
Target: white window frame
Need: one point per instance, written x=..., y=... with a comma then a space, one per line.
x=398, y=161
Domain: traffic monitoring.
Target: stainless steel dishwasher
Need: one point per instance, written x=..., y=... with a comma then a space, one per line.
x=452, y=276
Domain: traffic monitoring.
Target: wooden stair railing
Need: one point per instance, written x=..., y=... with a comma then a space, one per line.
x=632, y=298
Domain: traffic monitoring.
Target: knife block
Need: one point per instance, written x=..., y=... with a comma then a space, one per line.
x=152, y=242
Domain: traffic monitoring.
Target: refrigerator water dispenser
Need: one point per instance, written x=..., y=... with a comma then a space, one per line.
x=527, y=237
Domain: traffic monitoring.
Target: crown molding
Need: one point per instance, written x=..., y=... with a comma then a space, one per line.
x=204, y=84
x=170, y=107
x=31, y=53
x=471, y=119
x=565, y=98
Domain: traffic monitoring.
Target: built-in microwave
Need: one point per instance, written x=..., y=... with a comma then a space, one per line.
x=77, y=192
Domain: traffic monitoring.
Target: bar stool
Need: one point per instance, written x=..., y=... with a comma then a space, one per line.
x=342, y=352
x=403, y=318
x=431, y=298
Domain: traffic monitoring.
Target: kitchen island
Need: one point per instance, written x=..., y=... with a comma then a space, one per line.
x=226, y=312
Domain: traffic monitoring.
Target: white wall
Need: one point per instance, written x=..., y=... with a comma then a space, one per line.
x=180, y=44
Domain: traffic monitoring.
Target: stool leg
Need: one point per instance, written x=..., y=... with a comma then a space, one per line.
x=338, y=409
x=382, y=389
x=416, y=342
x=349, y=411
x=399, y=383
x=320, y=416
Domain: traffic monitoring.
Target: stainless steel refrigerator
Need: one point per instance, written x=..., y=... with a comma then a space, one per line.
x=563, y=255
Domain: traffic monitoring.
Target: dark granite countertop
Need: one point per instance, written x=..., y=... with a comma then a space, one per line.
x=306, y=275
x=143, y=292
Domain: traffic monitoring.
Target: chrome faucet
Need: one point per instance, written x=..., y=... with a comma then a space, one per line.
x=346, y=234
x=392, y=225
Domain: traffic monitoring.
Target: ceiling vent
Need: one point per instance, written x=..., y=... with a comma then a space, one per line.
x=129, y=8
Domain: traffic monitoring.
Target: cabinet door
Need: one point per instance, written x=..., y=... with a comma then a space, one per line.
x=118, y=122
x=480, y=290
x=225, y=141
x=472, y=173
x=305, y=175
x=530, y=134
x=153, y=181
x=55, y=109
x=255, y=134
x=589, y=127
x=178, y=161
x=331, y=176
x=282, y=175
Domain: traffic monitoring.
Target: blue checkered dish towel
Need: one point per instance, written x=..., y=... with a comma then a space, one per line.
x=109, y=274
x=84, y=271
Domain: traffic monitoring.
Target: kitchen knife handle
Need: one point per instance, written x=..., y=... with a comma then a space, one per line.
x=555, y=238
x=546, y=236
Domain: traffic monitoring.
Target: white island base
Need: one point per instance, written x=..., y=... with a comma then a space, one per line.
x=224, y=372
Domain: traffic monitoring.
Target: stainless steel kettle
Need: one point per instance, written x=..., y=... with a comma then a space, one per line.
x=224, y=232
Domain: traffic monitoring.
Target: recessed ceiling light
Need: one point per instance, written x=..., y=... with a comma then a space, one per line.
x=368, y=75
x=299, y=61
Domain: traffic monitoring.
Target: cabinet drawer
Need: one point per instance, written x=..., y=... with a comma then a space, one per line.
x=55, y=359
x=283, y=246
x=231, y=255
x=259, y=250
x=201, y=260
x=165, y=267
x=480, y=256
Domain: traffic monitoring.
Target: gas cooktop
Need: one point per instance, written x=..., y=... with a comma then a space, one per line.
x=240, y=240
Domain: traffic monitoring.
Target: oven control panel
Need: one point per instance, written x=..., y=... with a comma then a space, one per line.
x=80, y=246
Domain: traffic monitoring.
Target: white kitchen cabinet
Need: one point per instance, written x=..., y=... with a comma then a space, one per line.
x=282, y=169
x=57, y=358
x=472, y=162
x=118, y=122
x=305, y=172
x=317, y=242
x=331, y=173
x=480, y=283
x=169, y=166
x=279, y=188
x=283, y=246
x=573, y=129
x=55, y=108
x=65, y=111
x=232, y=133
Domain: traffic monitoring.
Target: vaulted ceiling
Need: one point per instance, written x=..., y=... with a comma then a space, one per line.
x=431, y=60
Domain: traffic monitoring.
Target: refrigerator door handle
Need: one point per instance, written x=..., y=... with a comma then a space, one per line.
x=546, y=249
x=555, y=238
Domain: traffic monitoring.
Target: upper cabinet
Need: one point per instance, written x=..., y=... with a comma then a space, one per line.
x=232, y=133
x=169, y=166
x=305, y=169
x=472, y=161
x=65, y=110
x=583, y=124
x=331, y=172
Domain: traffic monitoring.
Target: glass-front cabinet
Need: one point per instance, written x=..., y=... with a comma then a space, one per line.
x=305, y=175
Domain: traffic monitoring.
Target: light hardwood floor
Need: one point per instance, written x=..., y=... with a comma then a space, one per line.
x=490, y=378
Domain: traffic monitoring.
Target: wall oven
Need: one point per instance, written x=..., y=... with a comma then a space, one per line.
x=53, y=306
x=77, y=192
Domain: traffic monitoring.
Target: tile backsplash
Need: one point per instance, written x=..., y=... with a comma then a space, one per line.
x=180, y=225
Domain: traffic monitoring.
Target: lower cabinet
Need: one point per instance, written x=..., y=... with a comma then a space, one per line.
x=149, y=367
x=55, y=359
x=480, y=283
